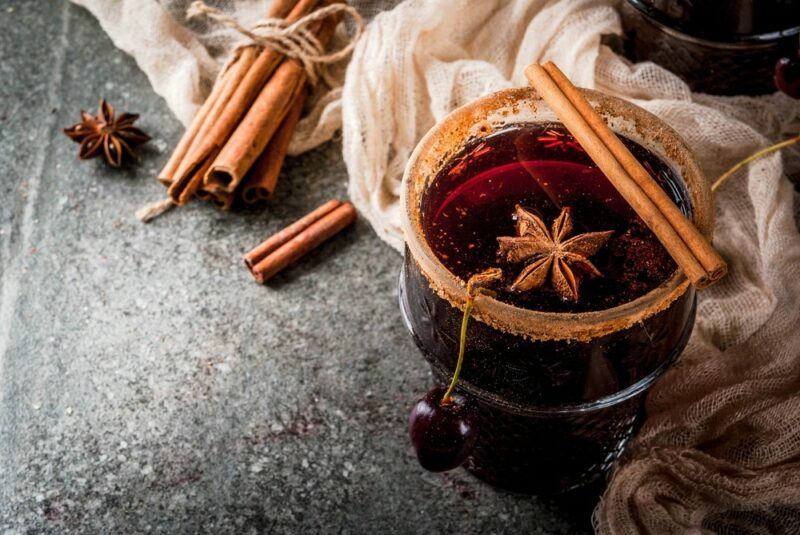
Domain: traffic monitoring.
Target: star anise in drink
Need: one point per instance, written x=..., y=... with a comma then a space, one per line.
x=112, y=136
x=550, y=253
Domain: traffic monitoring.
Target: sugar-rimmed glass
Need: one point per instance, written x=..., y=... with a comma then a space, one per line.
x=558, y=394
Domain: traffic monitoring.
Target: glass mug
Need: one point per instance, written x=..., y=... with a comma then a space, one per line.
x=558, y=394
x=725, y=48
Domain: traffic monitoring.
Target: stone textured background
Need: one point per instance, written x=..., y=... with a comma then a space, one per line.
x=147, y=384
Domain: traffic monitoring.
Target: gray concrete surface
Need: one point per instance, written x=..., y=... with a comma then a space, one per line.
x=148, y=385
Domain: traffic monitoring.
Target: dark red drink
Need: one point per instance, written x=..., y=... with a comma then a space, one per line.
x=542, y=168
x=553, y=411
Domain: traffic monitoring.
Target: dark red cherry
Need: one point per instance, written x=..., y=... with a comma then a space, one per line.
x=442, y=434
x=787, y=76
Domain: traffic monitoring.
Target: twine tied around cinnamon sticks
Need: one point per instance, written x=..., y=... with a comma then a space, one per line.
x=236, y=144
x=294, y=40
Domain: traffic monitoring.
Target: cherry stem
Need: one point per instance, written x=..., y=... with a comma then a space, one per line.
x=462, y=347
x=763, y=152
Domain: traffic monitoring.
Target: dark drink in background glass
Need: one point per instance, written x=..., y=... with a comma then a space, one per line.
x=728, y=20
x=724, y=47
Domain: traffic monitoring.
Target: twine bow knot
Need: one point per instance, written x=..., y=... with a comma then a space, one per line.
x=294, y=40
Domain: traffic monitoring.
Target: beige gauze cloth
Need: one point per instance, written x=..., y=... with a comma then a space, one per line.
x=720, y=449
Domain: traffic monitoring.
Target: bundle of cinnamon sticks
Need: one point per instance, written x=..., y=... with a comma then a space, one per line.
x=693, y=253
x=235, y=146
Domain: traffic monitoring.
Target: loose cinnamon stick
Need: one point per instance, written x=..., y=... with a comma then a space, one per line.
x=617, y=174
x=276, y=240
x=263, y=176
x=320, y=231
x=708, y=257
x=262, y=119
x=239, y=102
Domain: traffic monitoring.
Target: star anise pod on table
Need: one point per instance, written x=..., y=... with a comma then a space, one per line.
x=112, y=136
x=550, y=253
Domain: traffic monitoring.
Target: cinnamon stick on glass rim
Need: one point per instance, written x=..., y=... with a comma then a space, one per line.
x=710, y=259
x=287, y=246
x=659, y=223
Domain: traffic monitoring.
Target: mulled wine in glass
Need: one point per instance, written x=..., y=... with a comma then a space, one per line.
x=558, y=355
